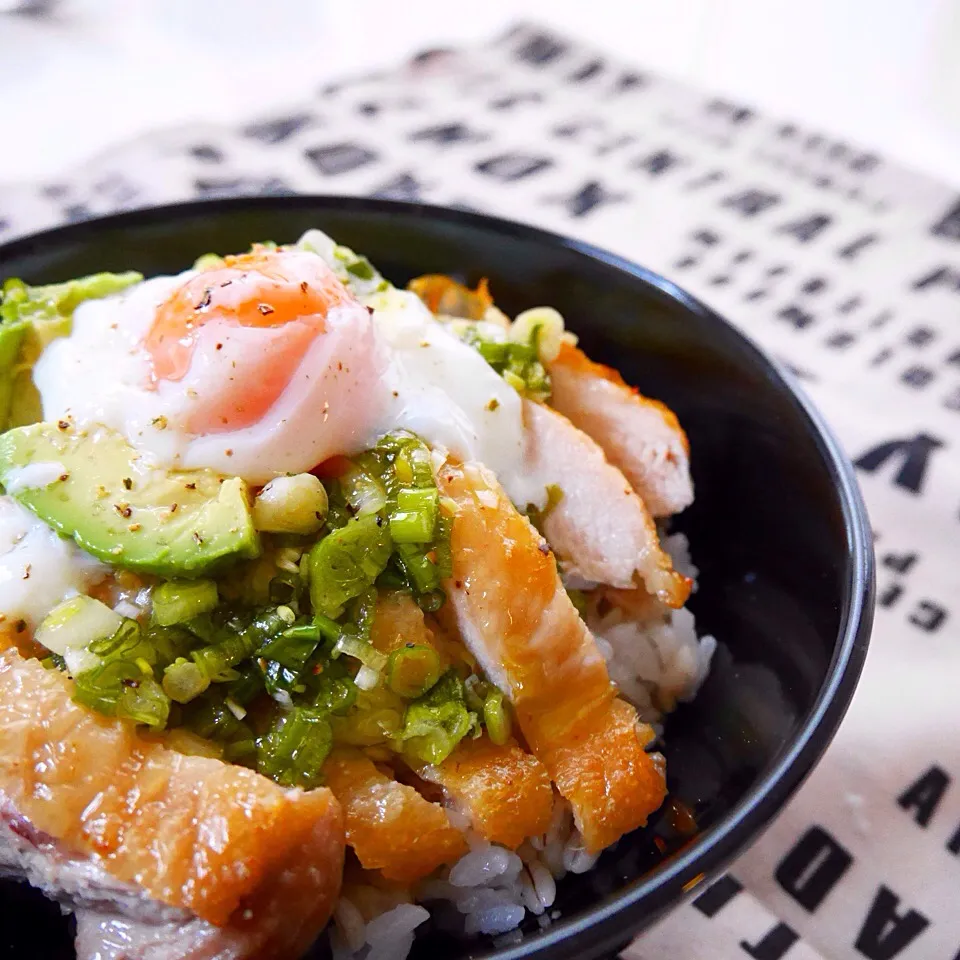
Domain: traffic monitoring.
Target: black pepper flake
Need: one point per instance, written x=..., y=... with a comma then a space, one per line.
x=123, y=509
x=205, y=299
x=26, y=571
x=226, y=283
x=304, y=286
x=265, y=309
x=219, y=346
x=544, y=548
x=127, y=483
x=64, y=477
x=174, y=507
x=379, y=520
x=63, y=424
x=370, y=311
x=128, y=682
x=191, y=486
x=458, y=584
x=21, y=626
x=197, y=538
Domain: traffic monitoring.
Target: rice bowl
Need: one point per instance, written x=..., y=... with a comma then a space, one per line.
x=604, y=614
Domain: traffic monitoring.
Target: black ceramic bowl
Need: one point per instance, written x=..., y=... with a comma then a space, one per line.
x=778, y=528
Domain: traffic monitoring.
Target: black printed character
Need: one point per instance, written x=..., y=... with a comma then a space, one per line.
x=587, y=198
x=658, y=162
x=279, y=129
x=751, y=202
x=509, y=167
x=444, y=134
x=338, y=158
x=797, y=317
x=812, y=867
x=404, y=186
x=913, y=452
x=807, y=228
x=540, y=49
x=948, y=226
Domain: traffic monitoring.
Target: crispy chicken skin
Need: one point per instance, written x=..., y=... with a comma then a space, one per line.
x=510, y=608
x=214, y=842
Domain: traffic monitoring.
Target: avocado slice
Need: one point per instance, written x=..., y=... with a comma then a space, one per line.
x=30, y=318
x=94, y=487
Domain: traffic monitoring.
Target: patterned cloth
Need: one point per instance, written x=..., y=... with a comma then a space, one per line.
x=843, y=266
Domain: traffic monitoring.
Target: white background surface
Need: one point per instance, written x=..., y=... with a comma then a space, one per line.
x=882, y=73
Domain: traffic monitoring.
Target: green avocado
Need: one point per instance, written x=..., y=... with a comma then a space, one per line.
x=94, y=487
x=32, y=317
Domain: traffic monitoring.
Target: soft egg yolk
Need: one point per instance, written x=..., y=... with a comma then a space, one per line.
x=261, y=289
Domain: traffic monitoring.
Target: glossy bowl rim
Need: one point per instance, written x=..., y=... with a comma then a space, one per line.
x=612, y=924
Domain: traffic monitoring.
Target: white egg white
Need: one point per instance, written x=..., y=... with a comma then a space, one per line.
x=38, y=567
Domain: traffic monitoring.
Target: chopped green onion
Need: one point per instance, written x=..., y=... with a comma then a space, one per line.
x=415, y=520
x=179, y=601
x=77, y=622
x=210, y=718
x=336, y=695
x=281, y=682
x=101, y=687
x=118, y=688
x=183, y=680
x=121, y=644
x=361, y=650
x=436, y=722
x=247, y=685
x=294, y=647
x=293, y=751
x=237, y=645
x=496, y=718
x=412, y=670
x=329, y=629
x=144, y=701
x=208, y=261
x=475, y=691
x=363, y=492
x=346, y=562
x=367, y=728
x=432, y=601
x=420, y=570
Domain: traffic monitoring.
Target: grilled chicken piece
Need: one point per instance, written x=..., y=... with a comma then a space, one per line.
x=152, y=845
x=600, y=529
x=513, y=613
x=389, y=825
x=504, y=790
x=640, y=436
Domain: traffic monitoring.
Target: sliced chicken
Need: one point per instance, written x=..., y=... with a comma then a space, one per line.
x=640, y=436
x=167, y=847
x=504, y=790
x=600, y=529
x=389, y=825
x=506, y=599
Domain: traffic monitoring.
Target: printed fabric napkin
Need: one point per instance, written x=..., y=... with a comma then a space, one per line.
x=845, y=267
